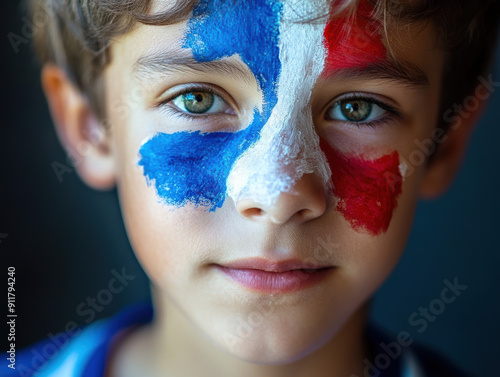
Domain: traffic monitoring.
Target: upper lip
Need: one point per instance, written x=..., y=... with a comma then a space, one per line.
x=271, y=266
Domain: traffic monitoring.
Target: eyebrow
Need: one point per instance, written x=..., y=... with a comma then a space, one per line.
x=404, y=72
x=151, y=66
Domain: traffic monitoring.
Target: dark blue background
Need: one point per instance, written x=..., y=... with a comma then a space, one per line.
x=64, y=239
x=456, y=236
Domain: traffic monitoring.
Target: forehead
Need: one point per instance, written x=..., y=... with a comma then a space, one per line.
x=218, y=27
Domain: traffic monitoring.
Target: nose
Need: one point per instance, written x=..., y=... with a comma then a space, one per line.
x=306, y=201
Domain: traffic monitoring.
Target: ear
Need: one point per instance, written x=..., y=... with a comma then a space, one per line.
x=452, y=145
x=78, y=129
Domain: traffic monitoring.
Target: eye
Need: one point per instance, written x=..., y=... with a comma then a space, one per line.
x=355, y=110
x=200, y=102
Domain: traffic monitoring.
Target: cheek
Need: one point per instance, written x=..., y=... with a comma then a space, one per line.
x=367, y=190
x=165, y=240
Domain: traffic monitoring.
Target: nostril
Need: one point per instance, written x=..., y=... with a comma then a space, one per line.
x=253, y=212
x=303, y=213
x=249, y=209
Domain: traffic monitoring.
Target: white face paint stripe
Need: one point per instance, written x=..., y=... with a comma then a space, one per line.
x=289, y=145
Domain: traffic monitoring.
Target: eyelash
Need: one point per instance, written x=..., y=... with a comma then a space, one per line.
x=392, y=115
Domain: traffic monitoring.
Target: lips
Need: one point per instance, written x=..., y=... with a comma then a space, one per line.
x=261, y=275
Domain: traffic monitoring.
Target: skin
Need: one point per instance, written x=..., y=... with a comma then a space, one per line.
x=199, y=314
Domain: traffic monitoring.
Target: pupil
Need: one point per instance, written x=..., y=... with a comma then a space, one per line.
x=356, y=111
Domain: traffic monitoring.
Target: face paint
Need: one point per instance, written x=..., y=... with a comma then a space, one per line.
x=194, y=166
x=289, y=145
x=366, y=189
x=281, y=144
x=353, y=43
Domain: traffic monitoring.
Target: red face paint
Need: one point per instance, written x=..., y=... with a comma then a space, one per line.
x=366, y=189
x=353, y=42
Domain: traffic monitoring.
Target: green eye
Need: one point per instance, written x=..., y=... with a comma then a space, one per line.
x=355, y=110
x=201, y=102
x=195, y=102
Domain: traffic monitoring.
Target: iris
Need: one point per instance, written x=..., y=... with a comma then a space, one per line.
x=356, y=111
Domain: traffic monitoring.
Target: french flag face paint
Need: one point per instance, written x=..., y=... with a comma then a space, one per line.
x=280, y=145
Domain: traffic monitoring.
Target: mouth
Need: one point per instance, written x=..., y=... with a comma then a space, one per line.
x=261, y=275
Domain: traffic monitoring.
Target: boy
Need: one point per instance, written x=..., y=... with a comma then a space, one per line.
x=253, y=132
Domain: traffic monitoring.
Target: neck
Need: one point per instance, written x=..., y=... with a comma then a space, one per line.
x=172, y=346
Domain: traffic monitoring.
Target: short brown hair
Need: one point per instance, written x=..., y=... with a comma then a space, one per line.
x=79, y=32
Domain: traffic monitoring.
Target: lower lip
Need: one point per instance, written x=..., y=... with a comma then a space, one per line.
x=276, y=282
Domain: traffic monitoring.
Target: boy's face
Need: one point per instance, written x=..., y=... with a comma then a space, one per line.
x=243, y=134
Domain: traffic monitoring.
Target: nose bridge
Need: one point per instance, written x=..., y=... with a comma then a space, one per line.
x=287, y=149
x=288, y=146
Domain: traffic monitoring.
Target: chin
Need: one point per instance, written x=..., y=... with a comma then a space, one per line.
x=272, y=347
x=265, y=356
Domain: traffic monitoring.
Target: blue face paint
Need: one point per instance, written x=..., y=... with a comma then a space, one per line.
x=194, y=166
